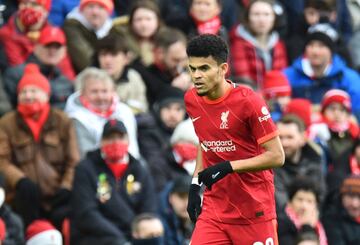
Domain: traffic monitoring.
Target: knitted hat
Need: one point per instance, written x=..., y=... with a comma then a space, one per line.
x=181, y=184
x=184, y=131
x=52, y=34
x=42, y=232
x=276, y=84
x=351, y=184
x=107, y=4
x=338, y=96
x=45, y=3
x=33, y=76
x=324, y=33
x=301, y=108
x=168, y=95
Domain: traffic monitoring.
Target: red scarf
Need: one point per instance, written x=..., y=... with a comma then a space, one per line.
x=318, y=227
x=348, y=126
x=35, y=116
x=211, y=26
x=118, y=169
x=354, y=165
x=90, y=107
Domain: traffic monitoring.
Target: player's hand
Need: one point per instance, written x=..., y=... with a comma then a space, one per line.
x=213, y=174
x=194, y=202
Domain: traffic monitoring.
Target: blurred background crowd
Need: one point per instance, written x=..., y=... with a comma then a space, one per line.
x=95, y=143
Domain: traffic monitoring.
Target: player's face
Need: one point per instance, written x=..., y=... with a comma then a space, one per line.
x=206, y=74
x=291, y=139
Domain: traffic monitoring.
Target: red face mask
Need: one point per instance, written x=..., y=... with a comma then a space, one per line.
x=114, y=152
x=186, y=151
x=29, y=110
x=29, y=16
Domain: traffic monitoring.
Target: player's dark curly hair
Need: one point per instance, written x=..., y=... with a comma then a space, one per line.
x=208, y=45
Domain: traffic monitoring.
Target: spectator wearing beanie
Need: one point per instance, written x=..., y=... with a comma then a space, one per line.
x=41, y=232
x=39, y=162
x=321, y=69
x=111, y=187
x=314, y=12
x=11, y=226
x=84, y=26
x=22, y=32
x=336, y=108
x=342, y=221
x=47, y=54
x=155, y=131
x=277, y=92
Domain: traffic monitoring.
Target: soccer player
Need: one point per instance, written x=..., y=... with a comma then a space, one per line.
x=239, y=145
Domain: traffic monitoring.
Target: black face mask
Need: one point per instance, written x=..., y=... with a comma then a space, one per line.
x=149, y=241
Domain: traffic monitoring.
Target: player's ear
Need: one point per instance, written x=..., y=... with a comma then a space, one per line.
x=224, y=67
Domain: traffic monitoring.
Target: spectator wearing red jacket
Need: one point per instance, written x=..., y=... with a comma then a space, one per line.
x=22, y=31
x=255, y=45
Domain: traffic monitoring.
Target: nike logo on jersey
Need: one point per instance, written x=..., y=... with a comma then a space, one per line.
x=195, y=119
x=215, y=175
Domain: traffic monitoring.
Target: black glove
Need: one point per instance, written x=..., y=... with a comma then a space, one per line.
x=61, y=198
x=213, y=174
x=194, y=202
x=27, y=200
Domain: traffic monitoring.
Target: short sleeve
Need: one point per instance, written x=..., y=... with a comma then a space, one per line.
x=261, y=124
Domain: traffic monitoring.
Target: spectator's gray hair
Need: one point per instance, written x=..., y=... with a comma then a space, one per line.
x=91, y=73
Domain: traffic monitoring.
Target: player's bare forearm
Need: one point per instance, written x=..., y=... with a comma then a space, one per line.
x=199, y=166
x=272, y=157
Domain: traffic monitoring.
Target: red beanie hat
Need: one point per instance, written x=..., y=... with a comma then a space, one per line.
x=276, y=84
x=42, y=232
x=2, y=230
x=45, y=3
x=300, y=108
x=107, y=4
x=33, y=76
x=338, y=96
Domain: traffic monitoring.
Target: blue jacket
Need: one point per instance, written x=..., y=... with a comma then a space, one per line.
x=59, y=10
x=339, y=77
x=172, y=223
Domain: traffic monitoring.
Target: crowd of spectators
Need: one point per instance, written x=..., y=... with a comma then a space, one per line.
x=95, y=143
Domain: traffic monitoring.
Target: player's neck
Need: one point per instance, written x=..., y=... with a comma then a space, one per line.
x=220, y=91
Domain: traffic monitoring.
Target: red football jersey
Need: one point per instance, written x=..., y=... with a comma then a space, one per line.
x=232, y=128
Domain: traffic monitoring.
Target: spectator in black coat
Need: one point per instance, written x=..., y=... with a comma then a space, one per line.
x=155, y=131
x=110, y=189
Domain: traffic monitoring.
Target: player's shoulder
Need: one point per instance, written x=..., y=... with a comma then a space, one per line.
x=243, y=92
x=189, y=95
